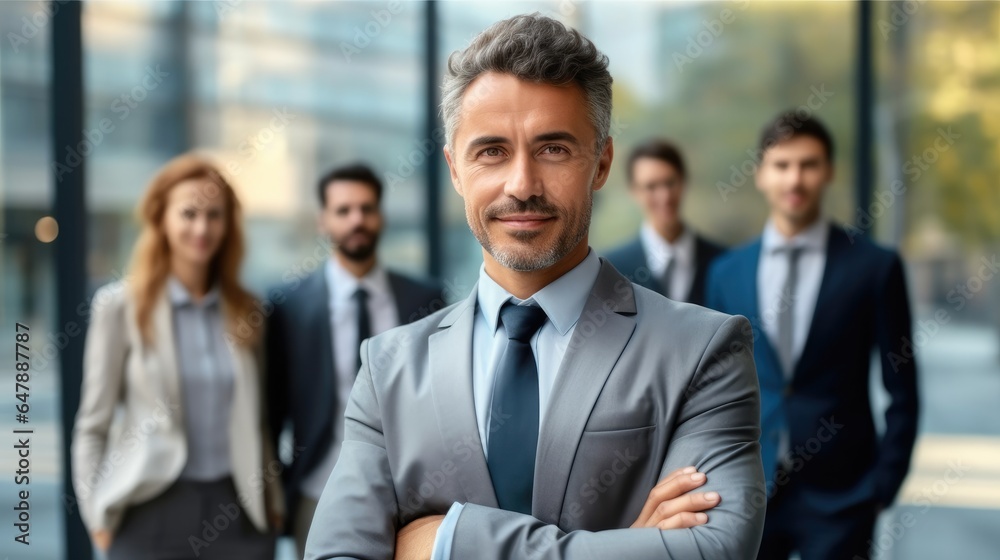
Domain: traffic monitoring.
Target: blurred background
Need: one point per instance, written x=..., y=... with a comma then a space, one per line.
x=279, y=92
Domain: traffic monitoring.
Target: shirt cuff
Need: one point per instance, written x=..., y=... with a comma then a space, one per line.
x=446, y=533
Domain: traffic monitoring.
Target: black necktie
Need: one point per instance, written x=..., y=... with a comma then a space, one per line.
x=786, y=311
x=513, y=435
x=364, y=321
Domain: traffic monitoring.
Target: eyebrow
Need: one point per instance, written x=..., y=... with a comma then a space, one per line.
x=545, y=137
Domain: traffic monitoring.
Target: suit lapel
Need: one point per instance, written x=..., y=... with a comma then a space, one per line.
x=450, y=350
x=763, y=348
x=166, y=348
x=593, y=351
x=694, y=294
x=833, y=277
x=403, y=301
x=318, y=341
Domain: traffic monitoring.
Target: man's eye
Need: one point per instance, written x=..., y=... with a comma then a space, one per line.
x=188, y=213
x=554, y=149
x=492, y=152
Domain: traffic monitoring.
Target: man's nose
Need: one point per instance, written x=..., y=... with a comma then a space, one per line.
x=524, y=180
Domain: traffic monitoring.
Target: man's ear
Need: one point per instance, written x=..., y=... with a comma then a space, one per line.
x=604, y=164
x=455, y=183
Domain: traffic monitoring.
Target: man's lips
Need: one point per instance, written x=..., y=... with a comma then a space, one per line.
x=525, y=221
x=795, y=197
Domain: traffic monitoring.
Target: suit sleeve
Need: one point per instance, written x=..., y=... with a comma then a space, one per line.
x=717, y=431
x=899, y=375
x=713, y=290
x=104, y=354
x=357, y=514
x=275, y=375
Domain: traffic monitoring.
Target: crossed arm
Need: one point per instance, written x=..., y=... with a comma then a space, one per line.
x=716, y=434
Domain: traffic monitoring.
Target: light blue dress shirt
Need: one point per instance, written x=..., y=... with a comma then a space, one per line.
x=205, y=366
x=563, y=301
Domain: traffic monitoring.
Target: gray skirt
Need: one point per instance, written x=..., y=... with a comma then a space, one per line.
x=191, y=520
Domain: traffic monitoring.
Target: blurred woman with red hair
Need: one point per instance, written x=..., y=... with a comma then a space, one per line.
x=185, y=468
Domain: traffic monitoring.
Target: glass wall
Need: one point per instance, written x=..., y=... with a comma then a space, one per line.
x=936, y=196
x=277, y=93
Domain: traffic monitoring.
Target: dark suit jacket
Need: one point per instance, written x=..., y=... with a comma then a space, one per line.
x=300, y=374
x=630, y=260
x=837, y=459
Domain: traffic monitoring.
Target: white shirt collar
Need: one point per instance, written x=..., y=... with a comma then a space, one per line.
x=812, y=238
x=562, y=300
x=682, y=249
x=342, y=284
x=180, y=296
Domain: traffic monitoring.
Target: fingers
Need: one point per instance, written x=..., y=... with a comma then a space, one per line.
x=683, y=520
x=673, y=486
x=688, y=503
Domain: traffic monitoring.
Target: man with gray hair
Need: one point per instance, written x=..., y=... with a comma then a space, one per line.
x=559, y=411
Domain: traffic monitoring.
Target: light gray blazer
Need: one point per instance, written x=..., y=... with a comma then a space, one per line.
x=128, y=441
x=647, y=386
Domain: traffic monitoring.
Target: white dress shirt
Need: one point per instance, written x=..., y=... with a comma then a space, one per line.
x=771, y=274
x=344, y=327
x=563, y=301
x=659, y=252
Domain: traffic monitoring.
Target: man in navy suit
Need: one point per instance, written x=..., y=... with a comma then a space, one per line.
x=820, y=299
x=667, y=256
x=314, y=334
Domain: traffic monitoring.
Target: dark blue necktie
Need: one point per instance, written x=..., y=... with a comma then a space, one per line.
x=513, y=433
x=364, y=320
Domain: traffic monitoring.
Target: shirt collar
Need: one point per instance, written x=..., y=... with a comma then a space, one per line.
x=562, y=300
x=180, y=296
x=681, y=249
x=342, y=284
x=812, y=238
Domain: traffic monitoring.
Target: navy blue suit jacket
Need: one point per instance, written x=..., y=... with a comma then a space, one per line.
x=300, y=372
x=837, y=459
x=630, y=260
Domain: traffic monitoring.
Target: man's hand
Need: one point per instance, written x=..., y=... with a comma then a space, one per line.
x=415, y=541
x=671, y=505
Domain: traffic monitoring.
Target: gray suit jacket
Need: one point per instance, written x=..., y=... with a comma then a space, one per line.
x=647, y=386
